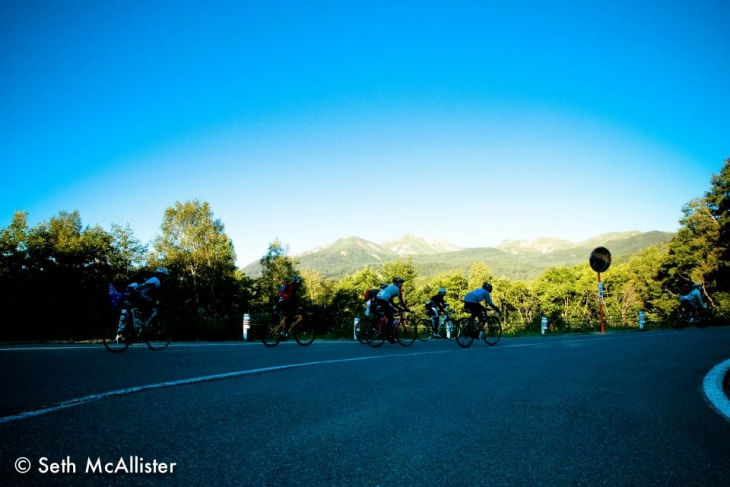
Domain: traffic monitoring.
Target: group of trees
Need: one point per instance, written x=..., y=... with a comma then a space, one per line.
x=54, y=277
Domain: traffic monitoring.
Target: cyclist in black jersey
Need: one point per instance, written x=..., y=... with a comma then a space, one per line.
x=433, y=306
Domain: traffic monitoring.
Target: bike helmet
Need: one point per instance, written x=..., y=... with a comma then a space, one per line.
x=162, y=270
x=487, y=286
x=296, y=279
x=398, y=280
x=442, y=290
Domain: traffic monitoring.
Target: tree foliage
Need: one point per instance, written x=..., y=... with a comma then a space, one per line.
x=194, y=247
x=60, y=268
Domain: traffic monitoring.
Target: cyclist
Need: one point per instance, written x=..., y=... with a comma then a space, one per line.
x=143, y=291
x=370, y=295
x=433, y=306
x=288, y=303
x=690, y=296
x=472, y=302
x=385, y=304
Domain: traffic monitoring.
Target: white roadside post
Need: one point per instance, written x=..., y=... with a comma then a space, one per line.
x=354, y=328
x=246, y=325
x=543, y=324
x=642, y=320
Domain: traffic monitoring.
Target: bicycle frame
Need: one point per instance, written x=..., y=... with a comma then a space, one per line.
x=138, y=322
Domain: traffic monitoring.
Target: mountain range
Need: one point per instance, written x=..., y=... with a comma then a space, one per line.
x=513, y=259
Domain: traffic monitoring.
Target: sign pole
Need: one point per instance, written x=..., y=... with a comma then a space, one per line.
x=600, y=260
x=600, y=303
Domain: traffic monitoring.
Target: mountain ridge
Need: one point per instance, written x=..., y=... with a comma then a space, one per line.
x=513, y=259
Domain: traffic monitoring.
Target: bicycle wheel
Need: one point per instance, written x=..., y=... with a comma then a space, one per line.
x=114, y=342
x=465, y=332
x=304, y=333
x=365, y=324
x=423, y=329
x=375, y=335
x=157, y=334
x=405, y=333
x=272, y=335
x=492, y=330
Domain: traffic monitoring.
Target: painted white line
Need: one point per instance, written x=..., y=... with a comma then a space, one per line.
x=713, y=387
x=195, y=380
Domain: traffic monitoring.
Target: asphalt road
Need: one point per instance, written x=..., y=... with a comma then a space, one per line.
x=614, y=409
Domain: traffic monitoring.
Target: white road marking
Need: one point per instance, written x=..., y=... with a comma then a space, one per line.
x=712, y=384
x=713, y=387
x=195, y=380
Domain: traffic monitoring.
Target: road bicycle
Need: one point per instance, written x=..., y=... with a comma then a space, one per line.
x=302, y=330
x=446, y=326
x=403, y=330
x=131, y=326
x=687, y=315
x=470, y=328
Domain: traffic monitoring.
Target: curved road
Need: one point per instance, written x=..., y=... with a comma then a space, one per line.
x=614, y=409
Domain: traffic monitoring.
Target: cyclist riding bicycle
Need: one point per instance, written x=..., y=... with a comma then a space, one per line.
x=433, y=306
x=690, y=296
x=289, y=303
x=143, y=292
x=473, y=299
x=385, y=304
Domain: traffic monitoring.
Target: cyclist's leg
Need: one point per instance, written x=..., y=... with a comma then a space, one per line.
x=464, y=328
x=390, y=318
x=435, y=320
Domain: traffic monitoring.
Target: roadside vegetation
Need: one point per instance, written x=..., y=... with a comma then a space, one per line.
x=54, y=278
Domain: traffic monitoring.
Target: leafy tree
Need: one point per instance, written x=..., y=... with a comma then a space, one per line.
x=556, y=293
x=718, y=204
x=128, y=253
x=399, y=268
x=55, y=269
x=317, y=291
x=348, y=293
x=478, y=275
x=637, y=287
x=520, y=300
x=14, y=247
x=454, y=283
x=276, y=268
x=201, y=258
x=699, y=251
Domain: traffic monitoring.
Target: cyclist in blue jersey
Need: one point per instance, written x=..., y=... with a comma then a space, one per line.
x=690, y=296
x=473, y=299
x=385, y=304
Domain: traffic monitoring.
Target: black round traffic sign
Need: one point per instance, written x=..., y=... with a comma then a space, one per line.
x=600, y=259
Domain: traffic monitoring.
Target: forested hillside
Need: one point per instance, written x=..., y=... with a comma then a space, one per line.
x=514, y=261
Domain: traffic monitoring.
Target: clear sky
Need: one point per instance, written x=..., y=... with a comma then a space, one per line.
x=468, y=122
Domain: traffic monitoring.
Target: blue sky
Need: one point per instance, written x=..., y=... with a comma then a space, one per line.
x=468, y=122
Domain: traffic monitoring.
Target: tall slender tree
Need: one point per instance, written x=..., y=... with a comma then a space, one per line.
x=201, y=258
